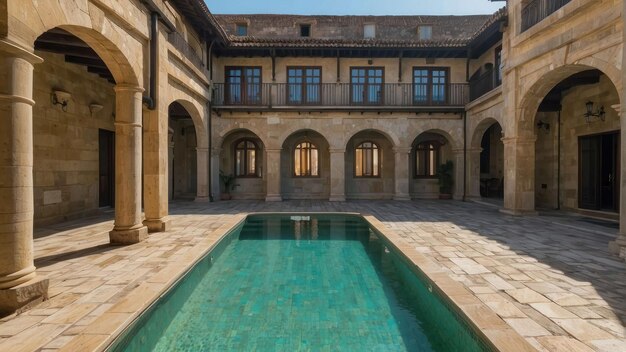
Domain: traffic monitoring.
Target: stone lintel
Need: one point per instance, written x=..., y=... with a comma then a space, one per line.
x=128, y=236
x=24, y=296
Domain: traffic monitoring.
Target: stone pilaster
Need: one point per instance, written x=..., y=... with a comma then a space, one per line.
x=337, y=175
x=19, y=285
x=273, y=176
x=473, y=173
x=401, y=173
x=215, y=172
x=202, y=155
x=519, y=176
x=156, y=174
x=457, y=188
x=129, y=227
x=618, y=246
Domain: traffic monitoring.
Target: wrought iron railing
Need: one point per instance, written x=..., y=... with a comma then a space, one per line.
x=179, y=42
x=483, y=84
x=536, y=10
x=339, y=95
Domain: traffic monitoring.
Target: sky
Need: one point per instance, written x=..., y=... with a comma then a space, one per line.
x=355, y=7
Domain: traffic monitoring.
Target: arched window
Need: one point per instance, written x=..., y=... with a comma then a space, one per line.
x=246, y=159
x=427, y=158
x=306, y=160
x=367, y=160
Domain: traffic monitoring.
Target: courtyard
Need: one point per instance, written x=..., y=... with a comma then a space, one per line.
x=549, y=277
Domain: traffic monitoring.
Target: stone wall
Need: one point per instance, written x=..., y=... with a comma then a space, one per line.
x=66, y=142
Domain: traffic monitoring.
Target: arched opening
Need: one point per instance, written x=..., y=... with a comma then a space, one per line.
x=577, y=147
x=242, y=156
x=182, y=159
x=370, y=166
x=73, y=129
x=487, y=162
x=428, y=151
x=305, y=166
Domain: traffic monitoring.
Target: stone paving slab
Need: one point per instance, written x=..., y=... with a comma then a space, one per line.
x=550, y=278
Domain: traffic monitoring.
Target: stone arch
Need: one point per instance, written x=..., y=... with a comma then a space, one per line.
x=390, y=136
x=303, y=186
x=454, y=143
x=297, y=129
x=226, y=132
x=479, y=185
x=423, y=183
x=479, y=130
x=194, y=110
x=247, y=187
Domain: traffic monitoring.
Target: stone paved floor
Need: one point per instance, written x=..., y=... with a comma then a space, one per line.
x=549, y=277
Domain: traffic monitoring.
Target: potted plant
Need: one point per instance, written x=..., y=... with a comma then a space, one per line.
x=444, y=176
x=229, y=185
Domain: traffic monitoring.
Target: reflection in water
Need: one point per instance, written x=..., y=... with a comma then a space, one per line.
x=305, y=227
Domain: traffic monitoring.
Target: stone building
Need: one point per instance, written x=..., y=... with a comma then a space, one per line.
x=128, y=105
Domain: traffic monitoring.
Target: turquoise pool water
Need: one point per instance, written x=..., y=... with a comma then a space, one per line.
x=300, y=283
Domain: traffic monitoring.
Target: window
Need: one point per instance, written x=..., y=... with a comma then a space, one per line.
x=306, y=160
x=305, y=30
x=498, y=64
x=366, y=85
x=427, y=159
x=425, y=32
x=245, y=159
x=369, y=31
x=243, y=85
x=304, y=85
x=367, y=160
x=430, y=85
x=242, y=29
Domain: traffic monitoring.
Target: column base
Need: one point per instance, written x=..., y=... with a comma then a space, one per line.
x=518, y=212
x=158, y=225
x=618, y=247
x=273, y=198
x=128, y=236
x=337, y=198
x=24, y=296
x=202, y=199
x=402, y=197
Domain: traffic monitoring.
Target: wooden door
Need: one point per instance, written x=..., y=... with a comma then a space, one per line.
x=599, y=172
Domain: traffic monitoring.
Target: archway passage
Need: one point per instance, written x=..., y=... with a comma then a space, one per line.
x=305, y=166
x=577, y=148
x=429, y=150
x=242, y=157
x=370, y=166
x=182, y=159
x=491, y=163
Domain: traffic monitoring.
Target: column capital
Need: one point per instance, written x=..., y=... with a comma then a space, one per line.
x=336, y=150
x=15, y=50
x=519, y=140
x=202, y=150
x=405, y=150
x=273, y=150
x=124, y=87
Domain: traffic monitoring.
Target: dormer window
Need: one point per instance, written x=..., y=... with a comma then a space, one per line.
x=369, y=31
x=242, y=29
x=305, y=30
x=425, y=32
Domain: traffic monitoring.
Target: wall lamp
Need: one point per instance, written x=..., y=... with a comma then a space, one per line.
x=543, y=125
x=60, y=97
x=591, y=115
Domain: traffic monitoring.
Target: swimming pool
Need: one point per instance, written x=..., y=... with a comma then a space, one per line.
x=300, y=282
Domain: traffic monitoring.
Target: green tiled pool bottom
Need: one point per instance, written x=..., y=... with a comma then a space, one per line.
x=300, y=283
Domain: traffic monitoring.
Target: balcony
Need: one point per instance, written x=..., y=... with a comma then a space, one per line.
x=179, y=42
x=339, y=96
x=534, y=11
x=483, y=84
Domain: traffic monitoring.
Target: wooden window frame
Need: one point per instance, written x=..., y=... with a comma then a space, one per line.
x=303, y=86
x=245, y=158
x=436, y=148
x=430, y=85
x=309, y=168
x=366, y=85
x=375, y=148
x=243, y=86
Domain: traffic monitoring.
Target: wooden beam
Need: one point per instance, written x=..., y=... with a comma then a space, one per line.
x=68, y=50
x=85, y=61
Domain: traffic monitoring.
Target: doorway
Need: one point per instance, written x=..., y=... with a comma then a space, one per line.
x=599, y=172
x=106, y=173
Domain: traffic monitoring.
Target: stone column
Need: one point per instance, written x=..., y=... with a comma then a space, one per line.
x=337, y=175
x=457, y=188
x=156, y=173
x=202, y=166
x=618, y=246
x=215, y=172
x=129, y=227
x=401, y=173
x=519, y=176
x=473, y=173
x=272, y=176
x=170, y=161
x=19, y=286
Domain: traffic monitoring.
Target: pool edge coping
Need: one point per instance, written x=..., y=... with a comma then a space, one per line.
x=100, y=334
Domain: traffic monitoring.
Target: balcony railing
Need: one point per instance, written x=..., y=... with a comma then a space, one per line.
x=483, y=84
x=536, y=10
x=343, y=95
x=179, y=42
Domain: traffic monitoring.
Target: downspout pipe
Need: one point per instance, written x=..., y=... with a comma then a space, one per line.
x=151, y=99
x=464, y=156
